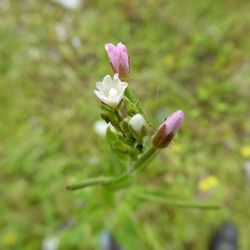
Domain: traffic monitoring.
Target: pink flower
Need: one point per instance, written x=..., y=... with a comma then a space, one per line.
x=168, y=129
x=118, y=58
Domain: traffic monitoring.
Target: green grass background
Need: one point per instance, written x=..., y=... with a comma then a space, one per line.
x=193, y=55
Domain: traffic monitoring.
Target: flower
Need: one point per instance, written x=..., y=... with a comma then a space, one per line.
x=118, y=58
x=101, y=127
x=167, y=130
x=208, y=183
x=110, y=91
x=137, y=124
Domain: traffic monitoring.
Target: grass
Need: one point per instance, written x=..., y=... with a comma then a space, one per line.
x=194, y=56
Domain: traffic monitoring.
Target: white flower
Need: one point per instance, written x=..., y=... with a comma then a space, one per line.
x=110, y=91
x=70, y=4
x=101, y=127
x=137, y=123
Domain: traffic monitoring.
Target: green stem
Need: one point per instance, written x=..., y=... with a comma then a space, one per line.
x=180, y=204
x=144, y=159
x=90, y=182
x=118, y=115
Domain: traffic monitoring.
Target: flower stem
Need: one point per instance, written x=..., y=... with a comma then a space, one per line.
x=180, y=204
x=144, y=159
x=118, y=115
x=89, y=182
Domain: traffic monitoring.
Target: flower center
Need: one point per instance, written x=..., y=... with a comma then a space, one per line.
x=112, y=93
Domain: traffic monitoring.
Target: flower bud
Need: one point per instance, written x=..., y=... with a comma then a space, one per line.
x=101, y=127
x=167, y=130
x=138, y=125
x=118, y=58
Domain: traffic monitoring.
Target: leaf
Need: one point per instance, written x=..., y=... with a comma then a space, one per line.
x=121, y=147
x=111, y=136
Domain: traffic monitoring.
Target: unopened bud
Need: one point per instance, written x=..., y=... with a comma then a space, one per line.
x=168, y=129
x=138, y=125
x=101, y=127
x=118, y=58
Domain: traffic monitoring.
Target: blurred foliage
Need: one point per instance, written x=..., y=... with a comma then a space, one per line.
x=193, y=55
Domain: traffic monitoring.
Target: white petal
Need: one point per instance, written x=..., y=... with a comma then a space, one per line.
x=116, y=80
x=107, y=83
x=119, y=98
x=107, y=79
x=137, y=122
x=100, y=86
x=122, y=86
x=101, y=96
x=100, y=128
x=112, y=103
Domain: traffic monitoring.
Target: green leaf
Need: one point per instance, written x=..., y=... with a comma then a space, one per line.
x=111, y=136
x=121, y=147
x=132, y=109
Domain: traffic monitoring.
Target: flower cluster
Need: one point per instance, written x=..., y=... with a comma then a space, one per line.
x=130, y=134
x=125, y=113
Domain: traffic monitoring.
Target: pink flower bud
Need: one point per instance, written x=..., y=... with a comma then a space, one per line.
x=118, y=58
x=167, y=130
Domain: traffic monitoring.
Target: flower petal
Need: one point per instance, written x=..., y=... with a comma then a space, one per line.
x=101, y=96
x=107, y=79
x=100, y=86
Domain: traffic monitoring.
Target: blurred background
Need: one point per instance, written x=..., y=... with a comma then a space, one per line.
x=191, y=55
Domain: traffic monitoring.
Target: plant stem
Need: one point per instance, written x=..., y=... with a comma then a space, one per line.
x=180, y=204
x=144, y=159
x=138, y=165
x=118, y=115
x=89, y=182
